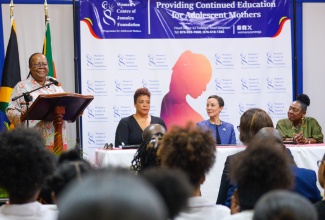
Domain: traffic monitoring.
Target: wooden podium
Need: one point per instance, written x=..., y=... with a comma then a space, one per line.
x=58, y=107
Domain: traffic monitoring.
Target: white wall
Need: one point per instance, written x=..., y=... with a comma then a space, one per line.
x=314, y=59
x=30, y=23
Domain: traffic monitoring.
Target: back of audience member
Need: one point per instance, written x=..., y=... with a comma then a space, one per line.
x=111, y=194
x=284, y=205
x=259, y=169
x=47, y=195
x=192, y=150
x=320, y=206
x=146, y=155
x=25, y=165
x=173, y=186
x=73, y=154
x=71, y=166
x=304, y=179
x=270, y=133
x=251, y=122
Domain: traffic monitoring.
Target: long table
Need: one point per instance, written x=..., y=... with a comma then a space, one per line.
x=305, y=156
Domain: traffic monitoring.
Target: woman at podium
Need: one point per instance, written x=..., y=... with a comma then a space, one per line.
x=129, y=130
x=36, y=79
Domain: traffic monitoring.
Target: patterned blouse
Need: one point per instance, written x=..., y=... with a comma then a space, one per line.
x=15, y=108
x=311, y=129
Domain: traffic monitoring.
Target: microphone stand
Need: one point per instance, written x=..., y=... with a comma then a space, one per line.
x=28, y=98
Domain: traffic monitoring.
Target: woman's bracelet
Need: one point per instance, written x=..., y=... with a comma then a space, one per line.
x=307, y=141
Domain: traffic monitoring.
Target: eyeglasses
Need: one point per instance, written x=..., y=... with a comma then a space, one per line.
x=319, y=162
x=38, y=65
x=238, y=128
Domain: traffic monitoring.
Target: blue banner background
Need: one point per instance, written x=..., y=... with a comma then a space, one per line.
x=180, y=19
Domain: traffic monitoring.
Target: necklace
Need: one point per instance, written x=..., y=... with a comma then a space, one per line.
x=297, y=130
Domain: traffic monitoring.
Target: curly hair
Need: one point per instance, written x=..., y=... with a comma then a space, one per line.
x=220, y=99
x=304, y=101
x=251, y=122
x=261, y=168
x=190, y=149
x=139, y=92
x=25, y=162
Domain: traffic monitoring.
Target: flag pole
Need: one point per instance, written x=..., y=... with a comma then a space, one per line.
x=47, y=47
x=46, y=12
x=11, y=5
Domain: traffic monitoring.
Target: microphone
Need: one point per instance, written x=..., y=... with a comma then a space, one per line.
x=54, y=81
x=108, y=146
x=29, y=98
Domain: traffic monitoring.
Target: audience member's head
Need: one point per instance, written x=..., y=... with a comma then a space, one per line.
x=146, y=155
x=284, y=205
x=173, y=186
x=111, y=194
x=153, y=131
x=71, y=167
x=25, y=164
x=272, y=134
x=251, y=122
x=321, y=179
x=321, y=171
x=269, y=133
x=259, y=169
x=73, y=154
x=190, y=149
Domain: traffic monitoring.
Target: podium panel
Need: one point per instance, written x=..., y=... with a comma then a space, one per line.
x=43, y=107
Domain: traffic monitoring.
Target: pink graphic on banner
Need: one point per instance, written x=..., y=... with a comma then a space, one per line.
x=191, y=74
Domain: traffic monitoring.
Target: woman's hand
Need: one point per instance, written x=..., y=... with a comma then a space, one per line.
x=300, y=139
x=234, y=205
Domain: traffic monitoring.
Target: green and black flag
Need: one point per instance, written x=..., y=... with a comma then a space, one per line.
x=47, y=45
x=10, y=73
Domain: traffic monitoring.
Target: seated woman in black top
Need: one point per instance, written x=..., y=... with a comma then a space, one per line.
x=129, y=130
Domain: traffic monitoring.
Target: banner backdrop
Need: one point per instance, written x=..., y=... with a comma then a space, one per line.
x=182, y=52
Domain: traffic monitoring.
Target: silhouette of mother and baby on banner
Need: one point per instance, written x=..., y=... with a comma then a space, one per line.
x=191, y=74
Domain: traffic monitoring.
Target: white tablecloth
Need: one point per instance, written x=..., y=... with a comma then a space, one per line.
x=305, y=156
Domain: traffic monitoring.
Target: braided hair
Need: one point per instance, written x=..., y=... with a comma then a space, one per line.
x=146, y=155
